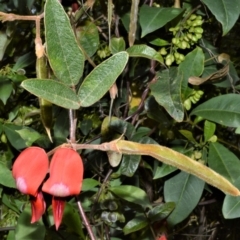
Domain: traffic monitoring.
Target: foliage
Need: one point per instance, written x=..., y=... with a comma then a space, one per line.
x=144, y=81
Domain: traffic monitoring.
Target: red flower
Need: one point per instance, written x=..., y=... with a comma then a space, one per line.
x=29, y=170
x=66, y=175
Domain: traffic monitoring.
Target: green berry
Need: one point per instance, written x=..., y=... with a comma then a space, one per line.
x=198, y=30
x=187, y=104
x=163, y=51
x=193, y=16
x=168, y=62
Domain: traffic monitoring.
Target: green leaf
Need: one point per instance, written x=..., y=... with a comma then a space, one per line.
x=225, y=11
x=145, y=51
x=163, y=170
x=185, y=190
x=72, y=220
x=188, y=135
x=129, y=164
x=161, y=211
x=65, y=56
x=167, y=92
x=221, y=160
x=159, y=42
x=6, y=178
x=53, y=91
x=24, y=61
x=137, y=223
x=192, y=65
x=209, y=130
x=28, y=135
x=152, y=18
x=4, y=41
x=88, y=37
x=27, y=230
x=223, y=109
x=89, y=183
x=117, y=45
x=132, y=194
x=5, y=91
x=101, y=78
x=13, y=136
x=231, y=205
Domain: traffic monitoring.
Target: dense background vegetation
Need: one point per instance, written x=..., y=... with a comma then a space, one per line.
x=176, y=69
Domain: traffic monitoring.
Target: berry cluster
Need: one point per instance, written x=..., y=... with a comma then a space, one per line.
x=193, y=98
x=185, y=34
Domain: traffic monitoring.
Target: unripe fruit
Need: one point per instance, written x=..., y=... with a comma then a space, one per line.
x=168, y=62
x=198, y=30
x=193, y=16
x=175, y=41
x=181, y=57
x=187, y=104
x=163, y=51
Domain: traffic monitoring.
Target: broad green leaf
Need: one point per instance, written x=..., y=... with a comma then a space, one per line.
x=145, y=51
x=88, y=37
x=72, y=220
x=27, y=230
x=231, y=205
x=24, y=61
x=137, y=223
x=129, y=164
x=65, y=56
x=4, y=41
x=221, y=160
x=176, y=159
x=132, y=194
x=188, y=135
x=28, y=135
x=185, y=190
x=117, y=45
x=159, y=42
x=13, y=136
x=192, y=65
x=6, y=178
x=89, y=183
x=209, y=130
x=163, y=170
x=161, y=211
x=223, y=109
x=53, y=91
x=167, y=92
x=5, y=90
x=225, y=11
x=152, y=18
x=101, y=78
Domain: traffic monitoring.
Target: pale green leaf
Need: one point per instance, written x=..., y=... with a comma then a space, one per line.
x=145, y=51
x=221, y=160
x=223, y=109
x=65, y=56
x=53, y=91
x=231, y=205
x=131, y=194
x=101, y=78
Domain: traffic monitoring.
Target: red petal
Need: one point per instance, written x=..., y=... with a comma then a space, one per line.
x=66, y=173
x=38, y=207
x=58, y=207
x=29, y=170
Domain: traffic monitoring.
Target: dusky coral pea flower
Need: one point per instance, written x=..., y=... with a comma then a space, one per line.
x=29, y=170
x=66, y=175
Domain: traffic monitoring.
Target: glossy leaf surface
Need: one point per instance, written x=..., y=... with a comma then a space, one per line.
x=223, y=109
